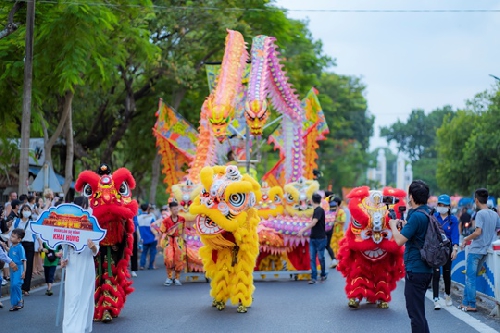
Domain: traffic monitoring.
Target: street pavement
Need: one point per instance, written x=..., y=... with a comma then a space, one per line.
x=280, y=305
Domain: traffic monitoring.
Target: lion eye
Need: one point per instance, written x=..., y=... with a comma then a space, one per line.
x=238, y=199
x=124, y=189
x=87, y=190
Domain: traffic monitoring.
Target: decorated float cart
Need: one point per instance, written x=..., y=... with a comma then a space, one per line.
x=243, y=94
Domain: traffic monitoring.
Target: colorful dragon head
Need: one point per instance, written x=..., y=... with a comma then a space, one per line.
x=224, y=201
x=270, y=202
x=369, y=226
x=298, y=197
x=219, y=117
x=256, y=115
x=110, y=197
x=184, y=193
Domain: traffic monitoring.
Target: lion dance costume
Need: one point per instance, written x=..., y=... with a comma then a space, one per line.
x=110, y=199
x=369, y=258
x=227, y=223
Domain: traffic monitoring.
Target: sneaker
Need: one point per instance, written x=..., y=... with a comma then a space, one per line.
x=437, y=306
x=133, y=274
x=323, y=278
x=49, y=293
x=168, y=282
x=178, y=283
x=312, y=281
x=4, y=282
x=448, y=300
x=334, y=263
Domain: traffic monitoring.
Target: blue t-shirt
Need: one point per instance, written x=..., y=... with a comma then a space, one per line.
x=17, y=254
x=415, y=230
x=450, y=227
x=144, y=221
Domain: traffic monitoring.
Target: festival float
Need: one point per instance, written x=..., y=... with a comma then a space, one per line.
x=241, y=100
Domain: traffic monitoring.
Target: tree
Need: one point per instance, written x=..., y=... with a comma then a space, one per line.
x=468, y=146
x=417, y=139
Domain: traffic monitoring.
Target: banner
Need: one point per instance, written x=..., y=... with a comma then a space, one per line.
x=68, y=224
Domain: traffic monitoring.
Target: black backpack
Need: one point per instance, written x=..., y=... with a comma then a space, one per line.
x=436, y=249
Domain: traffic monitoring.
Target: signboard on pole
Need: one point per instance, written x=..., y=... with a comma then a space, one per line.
x=68, y=224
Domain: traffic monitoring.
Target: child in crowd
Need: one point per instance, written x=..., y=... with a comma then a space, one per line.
x=50, y=263
x=16, y=253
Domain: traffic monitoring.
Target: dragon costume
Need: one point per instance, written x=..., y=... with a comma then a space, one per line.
x=369, y=258
x=110, y=198
x=227, y=224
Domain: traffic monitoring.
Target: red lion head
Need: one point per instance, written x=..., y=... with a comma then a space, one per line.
x=110, y=197
x=369, y=230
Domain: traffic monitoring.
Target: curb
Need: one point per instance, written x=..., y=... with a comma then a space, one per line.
x=36, y=281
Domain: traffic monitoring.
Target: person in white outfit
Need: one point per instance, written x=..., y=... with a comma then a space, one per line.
x=79, y=289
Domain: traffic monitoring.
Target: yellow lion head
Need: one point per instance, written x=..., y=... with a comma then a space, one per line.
x=184, y=193
x=225, y=202
x=270, y=202
x=298, y=197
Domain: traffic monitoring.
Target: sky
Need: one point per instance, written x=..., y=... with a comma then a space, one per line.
x=408, y=60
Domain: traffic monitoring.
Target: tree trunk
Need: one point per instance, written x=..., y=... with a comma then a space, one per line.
x=10, y=27
x=70, y=151
x=49, y=143
x=155, y=178
x=28, y=81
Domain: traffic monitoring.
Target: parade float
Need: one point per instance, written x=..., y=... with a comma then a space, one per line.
x=242, y=99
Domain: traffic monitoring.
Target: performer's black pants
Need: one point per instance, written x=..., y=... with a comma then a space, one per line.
x=415, y=288
x=133, y=258
x=328, y=247
x=29, y=249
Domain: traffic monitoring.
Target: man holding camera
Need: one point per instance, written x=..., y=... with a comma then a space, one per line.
x=418, y=273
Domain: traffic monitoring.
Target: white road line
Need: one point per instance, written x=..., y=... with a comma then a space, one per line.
x=465, y=317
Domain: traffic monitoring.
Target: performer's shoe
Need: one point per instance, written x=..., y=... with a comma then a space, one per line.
x=220, y=305
x=353, y=303
x=168, y=282
x=241, y=309
x=178, y=282
x=106, y=317
x=133, y=274
x=382, y=305
x=214, y=303
x=334, y=263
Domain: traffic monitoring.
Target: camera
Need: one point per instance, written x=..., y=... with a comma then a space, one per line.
x=390, y=200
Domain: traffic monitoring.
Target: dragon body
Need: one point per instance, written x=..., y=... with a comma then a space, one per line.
x=369, y=258
x=227, y=224
x=110, y=198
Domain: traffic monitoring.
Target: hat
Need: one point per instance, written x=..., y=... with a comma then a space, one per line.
x=164, y=207
x=444, y=199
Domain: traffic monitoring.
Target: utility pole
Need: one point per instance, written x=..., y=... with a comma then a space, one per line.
x=28, y=81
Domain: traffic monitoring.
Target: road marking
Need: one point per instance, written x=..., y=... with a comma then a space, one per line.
x=465, y=317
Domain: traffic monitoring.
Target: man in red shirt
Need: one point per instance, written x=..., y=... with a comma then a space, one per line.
x=172, y=230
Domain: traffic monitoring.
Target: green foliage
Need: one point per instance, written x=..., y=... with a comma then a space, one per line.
x=468, y=147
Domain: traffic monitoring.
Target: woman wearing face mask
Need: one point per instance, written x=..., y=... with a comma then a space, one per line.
x=28, y=244
x=449, y=223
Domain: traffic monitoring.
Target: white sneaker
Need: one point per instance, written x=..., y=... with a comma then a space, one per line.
x=4, y=282
x=334, y=263
x=448, y=301
x=437, y=306
x=133, y=274
x=168, y=282
x=178, y=283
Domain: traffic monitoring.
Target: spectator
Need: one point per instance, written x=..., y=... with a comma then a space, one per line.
x=23, y=198
x=486, y=224
x=148, y=240
x=133, y=257
x=16, y=253
x=172, y=228
x=14, y=212
x=450, y=226
x=8, y=207
x=338, y=228
x=317, y=241
x=50, y=263
x=333, y=208
x=6, y=260
x=465, y=223
x=418, y=273
x=28, y=244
